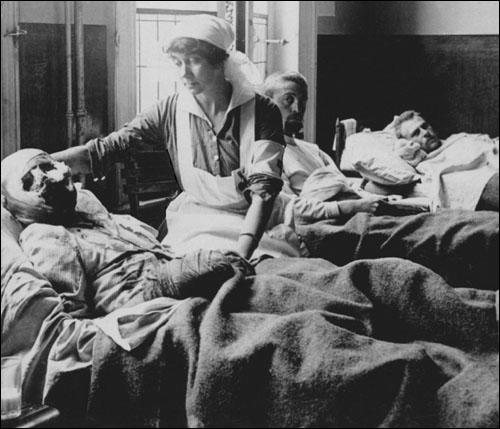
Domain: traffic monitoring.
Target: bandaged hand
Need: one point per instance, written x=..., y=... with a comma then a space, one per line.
x=410, y=151
x=201, y=273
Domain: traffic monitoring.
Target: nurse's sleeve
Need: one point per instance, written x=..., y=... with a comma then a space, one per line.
x=147, y=128
x=98, y=155
x=264, y=172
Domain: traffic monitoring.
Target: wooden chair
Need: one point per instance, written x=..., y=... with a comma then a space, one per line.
x=150, y=184
x=339, y=142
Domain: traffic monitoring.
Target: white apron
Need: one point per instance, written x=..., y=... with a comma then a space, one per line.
x=209, y=213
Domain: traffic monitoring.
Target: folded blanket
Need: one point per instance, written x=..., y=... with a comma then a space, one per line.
x=459, y=245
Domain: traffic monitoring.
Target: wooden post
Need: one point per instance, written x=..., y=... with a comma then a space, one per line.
x=81, y=112
x=240, y=24
x=69, y=80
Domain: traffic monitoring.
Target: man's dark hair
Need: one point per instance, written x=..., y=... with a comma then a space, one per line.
x=289, y=76
x=405, y=116
x=189, y=46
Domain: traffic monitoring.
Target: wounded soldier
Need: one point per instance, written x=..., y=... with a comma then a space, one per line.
x=86, y=252
x=82, y=262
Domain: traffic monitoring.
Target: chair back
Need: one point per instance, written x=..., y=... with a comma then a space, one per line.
x=150, y=184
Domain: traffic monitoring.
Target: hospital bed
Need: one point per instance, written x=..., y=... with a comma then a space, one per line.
x=453, y=176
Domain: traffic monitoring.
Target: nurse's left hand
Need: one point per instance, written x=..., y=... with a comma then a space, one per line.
x=239, y=263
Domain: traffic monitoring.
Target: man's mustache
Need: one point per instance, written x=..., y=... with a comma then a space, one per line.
x=293, y=124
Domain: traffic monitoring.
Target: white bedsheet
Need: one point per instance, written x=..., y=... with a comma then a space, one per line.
x=455, y=175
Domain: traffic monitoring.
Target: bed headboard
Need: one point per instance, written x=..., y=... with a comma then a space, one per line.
x=451, y=79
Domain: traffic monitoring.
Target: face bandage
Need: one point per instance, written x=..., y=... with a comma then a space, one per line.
x=36, y=188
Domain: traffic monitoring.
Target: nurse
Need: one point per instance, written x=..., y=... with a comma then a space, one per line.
x=225, y=144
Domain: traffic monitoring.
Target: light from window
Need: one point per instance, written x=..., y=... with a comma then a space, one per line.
x=200, y=6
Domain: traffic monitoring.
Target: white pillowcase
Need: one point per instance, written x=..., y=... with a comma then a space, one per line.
x=386, y=169
x=360, y=145
x=12, y=255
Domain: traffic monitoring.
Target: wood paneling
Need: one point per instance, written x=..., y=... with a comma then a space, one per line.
x=452, y=80
x=42, y=71
x=10, y=80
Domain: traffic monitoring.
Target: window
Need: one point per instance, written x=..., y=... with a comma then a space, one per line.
x=155, y=20
x=259, y=25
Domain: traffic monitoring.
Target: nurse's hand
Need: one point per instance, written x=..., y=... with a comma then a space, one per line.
x=77, y=158
x=240, y=264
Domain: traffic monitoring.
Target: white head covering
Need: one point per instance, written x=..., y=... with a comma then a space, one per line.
x=218, y=32
x=209, y=28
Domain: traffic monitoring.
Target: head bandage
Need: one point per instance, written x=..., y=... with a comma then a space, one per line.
x=47, y=195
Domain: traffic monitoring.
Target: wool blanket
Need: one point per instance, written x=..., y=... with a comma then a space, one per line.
x=304, y=343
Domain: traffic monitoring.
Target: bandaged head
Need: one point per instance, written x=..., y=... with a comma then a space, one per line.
x=219, y=33
x=37, y=188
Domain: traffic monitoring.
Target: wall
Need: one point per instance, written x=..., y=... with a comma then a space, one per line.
x=284, y=24
x=94, y=13
x=376, y=59
x=408, y=17
x=45, y=21
x=296, y=22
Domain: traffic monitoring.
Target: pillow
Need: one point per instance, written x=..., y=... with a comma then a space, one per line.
x=12, y=254
x=359, y=145
x=10, y=226
x=386, y=169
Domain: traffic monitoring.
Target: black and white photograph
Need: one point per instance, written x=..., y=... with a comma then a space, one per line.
x=250, y=214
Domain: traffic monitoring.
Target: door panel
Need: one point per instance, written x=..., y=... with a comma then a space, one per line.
x=42, y=79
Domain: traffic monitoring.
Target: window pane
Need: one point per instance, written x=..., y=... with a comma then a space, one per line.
x=154, y=22
x=260, y=7
x=259, y=51
x=179, y=5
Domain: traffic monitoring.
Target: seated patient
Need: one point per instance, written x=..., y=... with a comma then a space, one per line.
x=306, y=168
x=100, y=262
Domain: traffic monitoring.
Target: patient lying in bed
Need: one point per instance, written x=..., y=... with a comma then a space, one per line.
x=78, y=263
x=86, y=253
x=460, y=172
